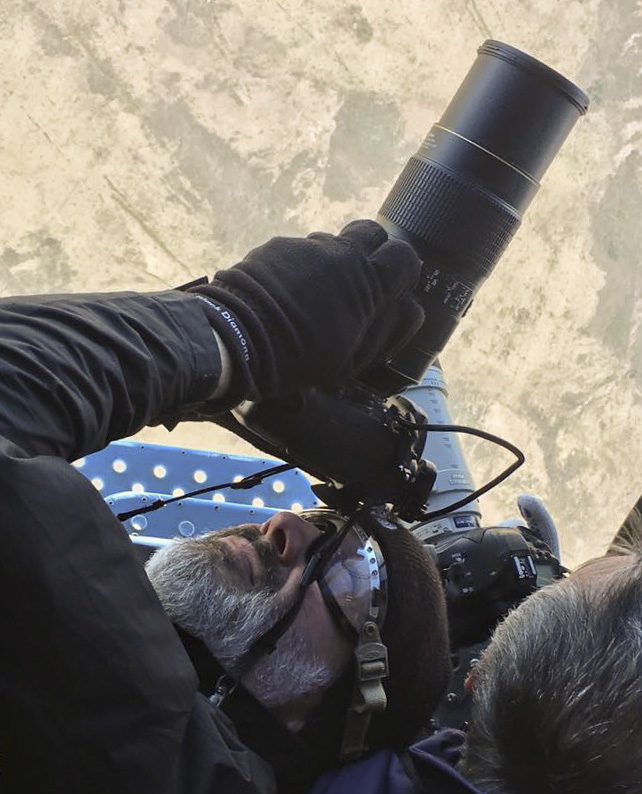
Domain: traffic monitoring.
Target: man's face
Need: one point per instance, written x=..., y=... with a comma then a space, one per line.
x=228, y=588
x=275, y=553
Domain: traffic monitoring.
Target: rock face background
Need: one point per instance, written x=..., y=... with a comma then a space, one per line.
x=143, y=144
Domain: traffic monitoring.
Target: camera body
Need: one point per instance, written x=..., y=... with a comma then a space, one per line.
x=352, y=440
x=486, y=573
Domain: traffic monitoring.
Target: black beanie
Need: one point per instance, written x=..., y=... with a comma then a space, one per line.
x=415, y=632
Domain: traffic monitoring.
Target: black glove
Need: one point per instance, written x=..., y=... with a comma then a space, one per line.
x=315, y=311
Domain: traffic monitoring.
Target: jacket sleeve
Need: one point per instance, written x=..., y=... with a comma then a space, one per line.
x=96, y=691
x=79, y=371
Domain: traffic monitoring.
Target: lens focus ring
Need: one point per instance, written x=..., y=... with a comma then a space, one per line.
x=453, y=220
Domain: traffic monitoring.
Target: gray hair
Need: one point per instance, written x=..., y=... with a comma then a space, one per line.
x=558, y=693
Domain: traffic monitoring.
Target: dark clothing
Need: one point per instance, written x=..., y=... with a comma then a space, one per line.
x=427, y=767
x=97, y=693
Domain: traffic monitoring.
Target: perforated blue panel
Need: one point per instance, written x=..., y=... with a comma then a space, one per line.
x=130, y=475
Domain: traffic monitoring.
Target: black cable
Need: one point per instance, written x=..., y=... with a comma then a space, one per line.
x=472, y=431
x=247, y=482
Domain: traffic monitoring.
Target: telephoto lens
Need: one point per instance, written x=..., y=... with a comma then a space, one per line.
x=462, y=196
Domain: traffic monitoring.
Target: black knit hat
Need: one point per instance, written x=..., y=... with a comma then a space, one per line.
x=415, y=631
x=416, y=635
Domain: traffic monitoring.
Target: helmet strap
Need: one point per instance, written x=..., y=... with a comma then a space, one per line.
x=368, y=695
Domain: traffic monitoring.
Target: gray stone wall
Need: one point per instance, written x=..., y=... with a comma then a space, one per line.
x=143, y=144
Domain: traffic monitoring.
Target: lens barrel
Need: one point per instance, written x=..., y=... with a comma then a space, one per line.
x=461, y=197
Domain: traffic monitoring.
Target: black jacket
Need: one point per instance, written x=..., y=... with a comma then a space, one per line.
x=97, y=693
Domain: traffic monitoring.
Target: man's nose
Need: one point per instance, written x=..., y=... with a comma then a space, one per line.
x=291, y=536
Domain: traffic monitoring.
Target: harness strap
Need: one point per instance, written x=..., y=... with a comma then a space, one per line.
x=368, y=696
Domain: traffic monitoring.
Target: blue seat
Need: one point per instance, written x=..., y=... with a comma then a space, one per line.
x=129, y=475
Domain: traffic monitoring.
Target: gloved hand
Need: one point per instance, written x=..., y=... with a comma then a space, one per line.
x=315, y=311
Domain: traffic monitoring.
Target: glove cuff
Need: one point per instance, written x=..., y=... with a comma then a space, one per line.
x=237, y=343
x=243, y=332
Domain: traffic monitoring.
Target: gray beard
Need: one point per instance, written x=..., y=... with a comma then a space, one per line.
x=190, y=581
